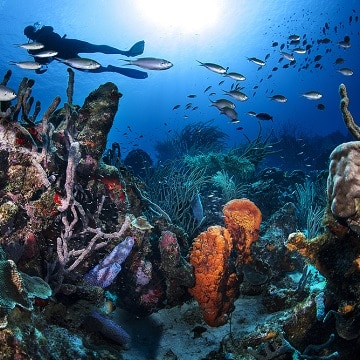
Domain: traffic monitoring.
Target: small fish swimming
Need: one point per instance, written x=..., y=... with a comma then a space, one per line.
x=312, y=95
x=82, y=63
x=6, y=94
x=294, y=37
x=150, y=63
x=346, y=71
x=230, y=113
x=264, y=116
x=208, y=88
x=287, y=56
x=237, y=95
x=251, y=113
x=221, y=103
x=278, y=98
x=299, y=50
x=197, y=208
x=339, y=61
x=28, y=65
x=176, y=107
x=236, y=76
x=257, y=61
x=344, y=44
x=46, y=53
x=214, y=67
x=31, y=45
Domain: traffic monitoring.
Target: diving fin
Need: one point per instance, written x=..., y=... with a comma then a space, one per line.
x=137, y=49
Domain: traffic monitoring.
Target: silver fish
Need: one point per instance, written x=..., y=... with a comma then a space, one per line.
x=31, y=46
x=230, y=113
x=214, y=67
x=257, y=61
x=278, y=98
x=197, y=208
x=6, y=94
x=344, y=44
x=150, y=63
x=221, y=103
x=287, y=56
x=346, y=71
x=82, y=63
x=28, y=65
x=236, y=76
x=251, y=113
x=294, y=37
x=237, y=95
x=299, y=51
x=312, y=95
x=46, y=53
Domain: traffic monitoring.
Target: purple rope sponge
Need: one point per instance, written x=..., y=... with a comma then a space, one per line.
x=104, y=273
x=111, y=330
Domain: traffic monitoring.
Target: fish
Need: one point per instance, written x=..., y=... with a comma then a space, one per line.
x=299, y=50
x=294, y=37
x=176, y=107
x=237, y=95
x=287, y=56
x=317, y=58
x=230, y=113
x=197, y=208
x=344, y=44
x=31, y=45
x=257, y=61
x=150, y=63
x=214, y=67
x=236, y=76
x=191, y=96
x=279, y=98
x=346, y=71
x=339, y=61
x=82, y=63
x=28, y=65
x=6, y=94
x=321, y=106
x=46, y=53
x=312, y=95
x=264, y=116
x=221, y=103
x=208, y=88
x=251, y=113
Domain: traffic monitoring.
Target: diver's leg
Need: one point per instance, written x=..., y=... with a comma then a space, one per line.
x=84, y=47
x=132, y=73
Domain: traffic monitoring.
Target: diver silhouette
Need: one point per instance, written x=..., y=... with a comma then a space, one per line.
x=70, y=48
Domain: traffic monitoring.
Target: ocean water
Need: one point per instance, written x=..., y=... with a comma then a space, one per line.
x=224, y=32
x=227, y=33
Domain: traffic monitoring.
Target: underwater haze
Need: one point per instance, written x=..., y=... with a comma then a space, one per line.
x=225, y=33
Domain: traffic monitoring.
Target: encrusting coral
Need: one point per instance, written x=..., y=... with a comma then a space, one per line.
x=216, y=282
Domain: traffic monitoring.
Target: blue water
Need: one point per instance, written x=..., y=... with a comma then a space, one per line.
x=242, y=29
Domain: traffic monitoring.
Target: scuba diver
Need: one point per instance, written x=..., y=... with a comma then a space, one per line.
x=70, y=48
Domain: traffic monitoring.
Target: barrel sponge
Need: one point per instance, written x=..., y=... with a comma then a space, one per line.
x=17, y=288
x=343, y=183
